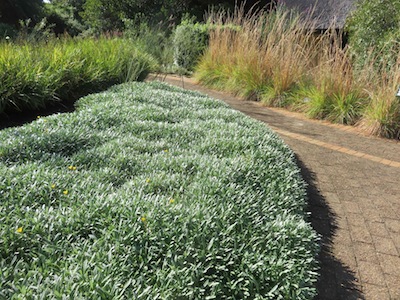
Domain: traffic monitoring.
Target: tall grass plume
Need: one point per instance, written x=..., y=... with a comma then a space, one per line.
x=278, y=58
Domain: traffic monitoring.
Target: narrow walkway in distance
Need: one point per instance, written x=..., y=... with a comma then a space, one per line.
x=354, y=191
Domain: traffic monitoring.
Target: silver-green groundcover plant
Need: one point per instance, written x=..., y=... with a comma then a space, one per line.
x=151, y=192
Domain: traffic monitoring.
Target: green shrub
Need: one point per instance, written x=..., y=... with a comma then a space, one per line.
x=33, y=76
x=189, y=42
x=375, y=26
x=154, y=40
x=151, y=192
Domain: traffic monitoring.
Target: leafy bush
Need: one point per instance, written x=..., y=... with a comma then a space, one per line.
x=375, y=26
x=189, y=41
x=105, y=15
x=155, y=40
x=33, y=76
x=150, y=192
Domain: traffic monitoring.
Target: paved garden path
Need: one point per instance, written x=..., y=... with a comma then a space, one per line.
x=354, y=191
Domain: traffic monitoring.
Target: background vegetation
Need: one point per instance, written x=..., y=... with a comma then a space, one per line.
x=274, y=60
x=375, y=27
x=271, y=58
x=36, y=75
x=209, y=203
x=41, y=64
x=98, y=16
x=151, y=192
x=11, y=12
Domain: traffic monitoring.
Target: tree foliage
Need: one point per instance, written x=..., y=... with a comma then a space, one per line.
x=375, y=26
x=12, y=11
x=73, y=16
x=65, y=16
x=108, y=15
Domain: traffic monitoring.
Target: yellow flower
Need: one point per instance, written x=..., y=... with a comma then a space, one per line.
x=20, y=230
x=65, y=192
x=171, y=200
x=72, y=168
x=166, y=150
x=143, y=219
x=38, y=117
x=148, y=180
x=53, y=186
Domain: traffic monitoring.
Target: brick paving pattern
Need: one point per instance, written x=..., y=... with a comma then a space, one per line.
x=354, y=195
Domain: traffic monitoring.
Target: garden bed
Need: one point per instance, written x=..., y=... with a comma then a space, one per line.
x=148, y=191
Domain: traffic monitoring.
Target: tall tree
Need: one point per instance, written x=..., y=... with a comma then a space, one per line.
x=108, y=15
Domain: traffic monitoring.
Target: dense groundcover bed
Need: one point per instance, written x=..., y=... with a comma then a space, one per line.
x=151, y=192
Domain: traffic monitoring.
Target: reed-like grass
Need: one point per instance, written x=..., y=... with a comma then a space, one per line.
x=330, y=89
x=278, y=59
x=382, y=114
x=33, y=76
x=247, y=62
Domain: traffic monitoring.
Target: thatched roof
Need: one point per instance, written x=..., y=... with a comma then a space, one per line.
x=323, y=12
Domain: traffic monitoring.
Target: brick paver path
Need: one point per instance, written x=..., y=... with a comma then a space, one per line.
x=354, y=191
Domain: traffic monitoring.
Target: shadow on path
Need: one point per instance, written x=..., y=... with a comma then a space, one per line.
x=336, y=280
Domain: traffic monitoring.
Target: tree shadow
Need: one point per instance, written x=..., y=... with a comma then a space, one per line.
x=336, y=280
x=12, y=117
x=19, y=118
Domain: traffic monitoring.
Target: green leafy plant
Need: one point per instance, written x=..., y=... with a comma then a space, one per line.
x=189, y=42
x=374, y=25
x=65, y=16
x=147, y=191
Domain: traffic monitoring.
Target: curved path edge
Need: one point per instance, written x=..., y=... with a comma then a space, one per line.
x=354, y=197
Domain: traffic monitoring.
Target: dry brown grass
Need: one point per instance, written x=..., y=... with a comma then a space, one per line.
x=276, y=58
x=382, y=115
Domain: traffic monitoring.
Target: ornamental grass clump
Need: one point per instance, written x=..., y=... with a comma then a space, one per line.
x=264, y=59
x=331, y=87
x=147, y=191
x=278, y=59
x=382, y=114
x=36, y=75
